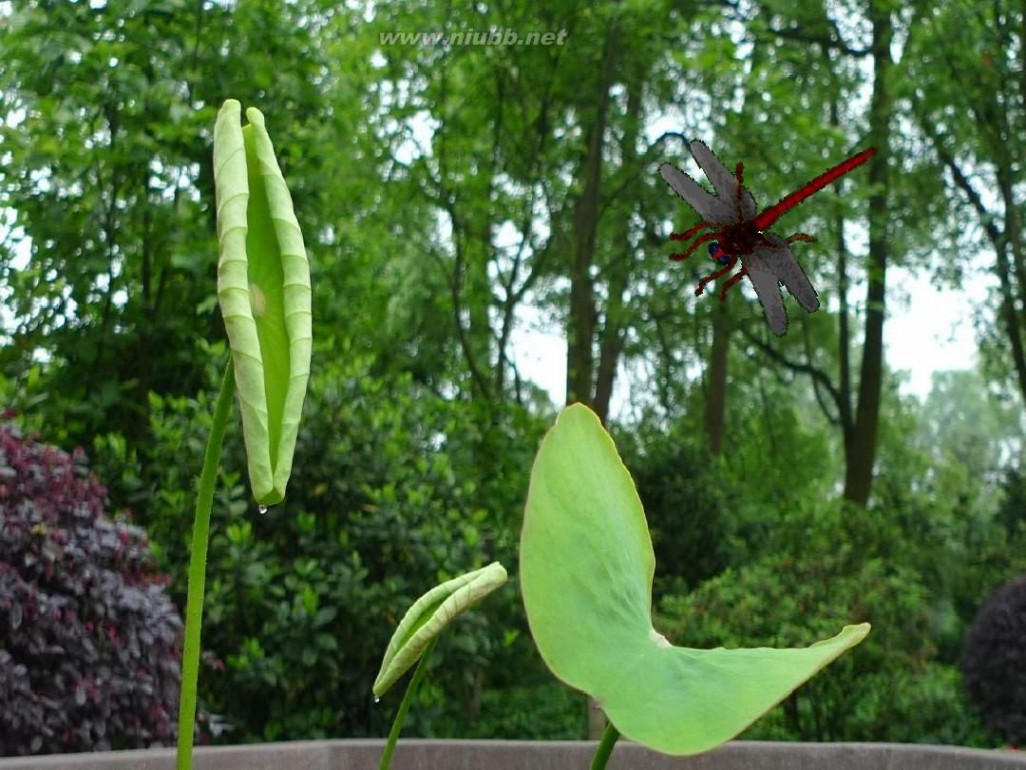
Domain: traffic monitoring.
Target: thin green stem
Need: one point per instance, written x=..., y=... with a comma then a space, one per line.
x=605, y=747
x=400, y=716
x=198, y=569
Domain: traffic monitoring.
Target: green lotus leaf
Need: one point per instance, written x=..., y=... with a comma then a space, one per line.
x=429, y=615
x=586, y=568
x=263, y=287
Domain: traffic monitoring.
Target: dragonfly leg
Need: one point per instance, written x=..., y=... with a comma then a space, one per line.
x=691, y=249
x=714, y=276
x=800, y=237
x=689, y=233
x=740, y=274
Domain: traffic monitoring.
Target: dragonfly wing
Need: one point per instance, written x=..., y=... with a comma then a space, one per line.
x=767, y=288
x=780, y=260
x=748, y=207
x=723, y=180
x=710, y=208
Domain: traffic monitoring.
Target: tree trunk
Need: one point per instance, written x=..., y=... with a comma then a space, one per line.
x=861, y=454
x=581, y=331
x=1010, y=315
x=621, y=265
x=1013, y=241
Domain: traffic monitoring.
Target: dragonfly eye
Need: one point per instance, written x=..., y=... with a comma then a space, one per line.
x=719, y=255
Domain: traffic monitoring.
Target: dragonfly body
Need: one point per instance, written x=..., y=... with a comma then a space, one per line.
x=737, y=231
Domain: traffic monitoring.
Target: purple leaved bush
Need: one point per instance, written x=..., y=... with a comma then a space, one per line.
x=89, y=641
x=994, y=662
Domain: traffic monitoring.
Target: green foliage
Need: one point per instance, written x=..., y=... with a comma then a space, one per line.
x=917, y=564
x=943, y=493
x=95, y=169
x=507, y=692
x=542, y=712
x=686, y=504
x=821, y=576
x=105, y=115
x=302, y=600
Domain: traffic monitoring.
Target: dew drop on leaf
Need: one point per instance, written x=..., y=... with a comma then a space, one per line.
x=262, y=509
x=377, y=699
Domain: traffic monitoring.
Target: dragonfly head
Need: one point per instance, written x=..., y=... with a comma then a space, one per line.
x=718, y=255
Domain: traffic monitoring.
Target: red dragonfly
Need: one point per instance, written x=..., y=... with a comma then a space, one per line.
x=738, y=233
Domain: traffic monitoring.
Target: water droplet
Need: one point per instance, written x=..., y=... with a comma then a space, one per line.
x=377, y=699
x=262, y=509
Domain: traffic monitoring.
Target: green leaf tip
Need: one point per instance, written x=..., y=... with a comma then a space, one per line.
x=586, y=569
x=263, y=288
x=429, y=615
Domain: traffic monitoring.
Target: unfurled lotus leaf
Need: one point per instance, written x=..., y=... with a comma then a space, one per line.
x=586, y=568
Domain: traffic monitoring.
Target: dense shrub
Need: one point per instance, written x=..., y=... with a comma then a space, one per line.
x=394, y=489
x=889, y=688
x=994, y=661
x=88, y=638
x=685, y=505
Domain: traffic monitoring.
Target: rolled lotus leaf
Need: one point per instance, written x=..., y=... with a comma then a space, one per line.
x=263, y=287
x=586, y=569
x=429, y=615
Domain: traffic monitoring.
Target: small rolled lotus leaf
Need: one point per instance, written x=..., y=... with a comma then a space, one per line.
x=429, y=615
x=586, y=568
x=263, y=287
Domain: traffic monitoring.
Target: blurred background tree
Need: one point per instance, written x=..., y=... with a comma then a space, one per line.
x=458, y=198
